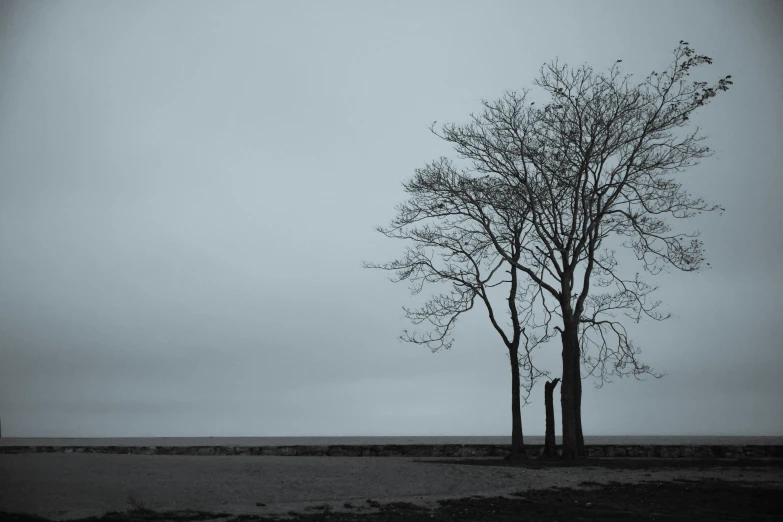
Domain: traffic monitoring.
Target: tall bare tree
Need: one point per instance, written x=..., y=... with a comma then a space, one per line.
x=596, y=163
x=457, y=223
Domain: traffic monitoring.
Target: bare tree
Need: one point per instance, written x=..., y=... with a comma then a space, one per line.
x=447, y=217
x=595, y=164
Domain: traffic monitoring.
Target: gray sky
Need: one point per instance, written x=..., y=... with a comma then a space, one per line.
x=189, y=189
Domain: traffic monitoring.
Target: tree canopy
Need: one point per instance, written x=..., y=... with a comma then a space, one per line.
x=540, y=193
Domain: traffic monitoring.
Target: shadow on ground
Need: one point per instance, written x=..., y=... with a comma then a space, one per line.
x=681, y=500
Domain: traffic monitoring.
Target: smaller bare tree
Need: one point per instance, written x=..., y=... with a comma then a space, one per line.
x=446, y=218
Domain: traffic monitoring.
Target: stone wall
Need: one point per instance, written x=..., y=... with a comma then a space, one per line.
x=443, y=450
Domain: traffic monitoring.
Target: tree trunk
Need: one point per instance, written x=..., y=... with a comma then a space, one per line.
x=568, y=394
x=517, y=442
x=580, y=439
x=550, y=445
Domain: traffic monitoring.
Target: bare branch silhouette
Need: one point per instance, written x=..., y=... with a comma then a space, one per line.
x=545, y=192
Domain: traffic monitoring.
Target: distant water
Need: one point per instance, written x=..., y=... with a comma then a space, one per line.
x=329, y=441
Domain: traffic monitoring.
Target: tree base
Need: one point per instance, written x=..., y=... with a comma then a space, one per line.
x=572, y=456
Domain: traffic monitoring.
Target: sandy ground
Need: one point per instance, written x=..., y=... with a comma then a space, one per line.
x=63, y=486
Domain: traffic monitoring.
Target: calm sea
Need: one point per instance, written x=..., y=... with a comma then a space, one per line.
x=353, y=440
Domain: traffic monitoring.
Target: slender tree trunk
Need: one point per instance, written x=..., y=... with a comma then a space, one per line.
x=517, y=442
x=550, y=445
x=580, y=439
x=568, y=395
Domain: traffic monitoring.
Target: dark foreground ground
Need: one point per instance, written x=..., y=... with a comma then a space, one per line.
x=677, y=500
x=664, y=501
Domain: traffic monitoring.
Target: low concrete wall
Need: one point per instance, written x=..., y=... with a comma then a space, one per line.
x=415, y=450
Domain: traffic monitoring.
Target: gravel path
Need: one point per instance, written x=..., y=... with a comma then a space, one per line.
x=62, y=486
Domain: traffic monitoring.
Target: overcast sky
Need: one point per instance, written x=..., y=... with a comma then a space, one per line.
x=189, y=188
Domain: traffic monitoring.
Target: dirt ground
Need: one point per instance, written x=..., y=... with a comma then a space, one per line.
x=114, y=488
